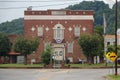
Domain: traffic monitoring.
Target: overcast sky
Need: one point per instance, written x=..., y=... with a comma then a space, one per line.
x=13, y=9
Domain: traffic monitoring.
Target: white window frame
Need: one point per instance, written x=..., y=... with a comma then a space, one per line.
x=58, y=32
x=77, y=31
x=70, y=59
x=40, y=31
x=46, y=44
x=70, y=47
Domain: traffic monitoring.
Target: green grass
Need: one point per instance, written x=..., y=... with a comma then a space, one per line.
x=21, y=65
x=71, y=65
x=90, y=65
x=113, y=77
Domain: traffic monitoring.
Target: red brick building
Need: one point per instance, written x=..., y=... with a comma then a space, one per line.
x=60, y=29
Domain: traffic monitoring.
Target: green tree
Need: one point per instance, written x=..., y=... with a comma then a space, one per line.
x=34, y=43
x=5, y=45
x=98, y=30
x=111, y=48
x=25, y=46
x=13, y=27
x=90, y=46
x=46, y=55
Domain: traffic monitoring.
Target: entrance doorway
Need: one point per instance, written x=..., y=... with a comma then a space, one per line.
x=58, y=55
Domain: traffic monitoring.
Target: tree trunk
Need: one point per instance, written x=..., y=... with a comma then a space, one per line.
x=3, y=59
x=25, y=59
x=92, y=59
x=89, y=60
x=0, y=60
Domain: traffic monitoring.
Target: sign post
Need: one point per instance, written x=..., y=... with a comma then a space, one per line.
x=112, y=56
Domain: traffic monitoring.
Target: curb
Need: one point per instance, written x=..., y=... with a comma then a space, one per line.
x=56, y=68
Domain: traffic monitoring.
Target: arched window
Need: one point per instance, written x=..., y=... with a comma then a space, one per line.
x=58, y=32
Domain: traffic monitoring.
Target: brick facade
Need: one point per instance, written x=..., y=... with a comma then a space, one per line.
x=64, y=20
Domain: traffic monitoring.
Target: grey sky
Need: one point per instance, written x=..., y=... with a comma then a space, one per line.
x=21, y=5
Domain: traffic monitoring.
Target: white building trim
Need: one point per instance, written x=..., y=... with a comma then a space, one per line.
x=58, y=17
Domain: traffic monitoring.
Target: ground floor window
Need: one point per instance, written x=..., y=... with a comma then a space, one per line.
x=70, y=59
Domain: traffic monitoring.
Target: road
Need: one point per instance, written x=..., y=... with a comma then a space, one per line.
x=54, y=74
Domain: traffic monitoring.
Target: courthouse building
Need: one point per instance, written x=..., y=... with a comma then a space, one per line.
x=60, y=29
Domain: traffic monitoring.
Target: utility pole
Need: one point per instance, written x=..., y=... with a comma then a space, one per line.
x=116, y=37
x=105, y=46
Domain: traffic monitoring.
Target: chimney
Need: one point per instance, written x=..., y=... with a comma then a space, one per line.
x=29, y=8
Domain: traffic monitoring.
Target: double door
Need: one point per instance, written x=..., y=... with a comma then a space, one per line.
x=59, y=54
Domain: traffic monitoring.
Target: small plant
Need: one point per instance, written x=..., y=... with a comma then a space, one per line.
x=46, y=55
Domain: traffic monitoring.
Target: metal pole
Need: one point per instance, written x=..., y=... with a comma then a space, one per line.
x=116, y=37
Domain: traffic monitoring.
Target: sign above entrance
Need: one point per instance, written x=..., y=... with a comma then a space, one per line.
x=58, y=40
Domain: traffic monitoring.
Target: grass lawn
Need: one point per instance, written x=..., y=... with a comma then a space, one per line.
x=71, y=65
x=113, y=77
x=21, y=65
x=90, y=65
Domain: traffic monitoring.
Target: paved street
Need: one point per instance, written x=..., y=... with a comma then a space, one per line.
x=54, y=74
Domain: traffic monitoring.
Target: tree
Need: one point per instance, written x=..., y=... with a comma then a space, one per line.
x=25, y=46
x=46, y=56
x=98, y=30
x=90, y=46
x=111, y=48
x=34, y=44
x=5, y=46
x=13, y=27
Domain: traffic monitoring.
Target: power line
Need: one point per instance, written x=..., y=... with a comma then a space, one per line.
x=38, y=6
x=41, y=1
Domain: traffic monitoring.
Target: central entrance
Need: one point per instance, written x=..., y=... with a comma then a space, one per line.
x=58, y=54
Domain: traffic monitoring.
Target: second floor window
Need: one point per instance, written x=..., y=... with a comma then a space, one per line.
x=77, y=31
x=40, y=31
x=58, y=32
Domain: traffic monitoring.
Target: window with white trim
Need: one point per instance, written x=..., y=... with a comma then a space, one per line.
x=40, y=31
x=46, y=44
x=60, y=53
x=56, y=53
x=70, y=47
x=58, y=32
x=77, y=31
x=70, y=58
